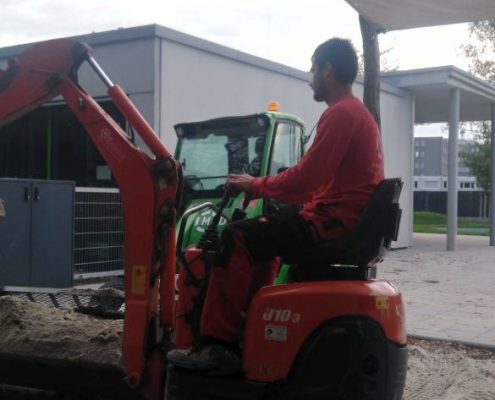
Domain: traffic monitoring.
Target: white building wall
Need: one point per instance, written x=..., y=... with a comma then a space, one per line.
x=131, y=65
x=198, y=85
x=397, y=116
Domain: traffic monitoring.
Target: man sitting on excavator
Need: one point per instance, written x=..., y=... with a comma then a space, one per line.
x=333, y=181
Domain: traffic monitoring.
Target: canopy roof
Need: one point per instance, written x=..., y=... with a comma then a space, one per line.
x=432, y=86
x=405, y=14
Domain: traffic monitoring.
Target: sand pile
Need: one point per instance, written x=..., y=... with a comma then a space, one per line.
x=41, y=331
x=439, y=370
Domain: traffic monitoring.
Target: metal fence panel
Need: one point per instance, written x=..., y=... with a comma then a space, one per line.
x=98, y=236
x=474, y=204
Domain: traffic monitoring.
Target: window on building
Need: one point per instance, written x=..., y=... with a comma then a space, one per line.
x=50, y=143
x=415, y=184
x=445, y=185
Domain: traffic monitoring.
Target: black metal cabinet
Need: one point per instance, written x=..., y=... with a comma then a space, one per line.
x=36, y=233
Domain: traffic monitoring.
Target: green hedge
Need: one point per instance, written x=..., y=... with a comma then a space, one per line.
x=430, y=222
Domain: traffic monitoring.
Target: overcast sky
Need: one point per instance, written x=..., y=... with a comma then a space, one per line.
x=285, y=31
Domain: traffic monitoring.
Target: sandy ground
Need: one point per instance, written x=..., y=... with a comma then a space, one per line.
x=447, y=295
x=36, y=330
x=439, y=370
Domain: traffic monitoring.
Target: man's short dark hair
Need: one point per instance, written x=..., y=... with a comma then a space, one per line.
x=341, y=55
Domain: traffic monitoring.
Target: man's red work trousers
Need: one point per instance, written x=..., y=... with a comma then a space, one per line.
x=246, y=261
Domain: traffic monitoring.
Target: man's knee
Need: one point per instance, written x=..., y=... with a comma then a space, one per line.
x=243, y=233
x=226, y=245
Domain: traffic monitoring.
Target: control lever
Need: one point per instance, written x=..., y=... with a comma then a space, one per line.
x=240, y=213
x=209, y=239
x=227, y=194
x=247, y=199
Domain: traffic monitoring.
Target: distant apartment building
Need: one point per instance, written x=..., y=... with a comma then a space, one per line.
x=431, y=178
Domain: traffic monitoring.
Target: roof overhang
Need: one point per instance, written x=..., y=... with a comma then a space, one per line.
x=432, y=88
x=406, y=14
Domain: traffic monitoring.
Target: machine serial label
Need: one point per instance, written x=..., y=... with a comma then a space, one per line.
x=382, y=302
x=266, y=369
x=138, y=282
x=2, y=208
x=276, y=333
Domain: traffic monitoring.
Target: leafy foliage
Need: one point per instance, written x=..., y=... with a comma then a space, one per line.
x=481, y=51
x=431, y=222
x=478, y=161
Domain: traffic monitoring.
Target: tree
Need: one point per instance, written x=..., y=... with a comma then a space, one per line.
x=478, y=161
x=481, y=51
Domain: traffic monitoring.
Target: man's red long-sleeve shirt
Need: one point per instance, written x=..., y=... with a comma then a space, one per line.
x=335, y=178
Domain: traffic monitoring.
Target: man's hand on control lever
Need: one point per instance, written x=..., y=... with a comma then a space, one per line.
x=242, y=182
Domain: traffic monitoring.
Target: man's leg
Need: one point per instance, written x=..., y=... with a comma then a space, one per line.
x=245, y=262
x=231, y=289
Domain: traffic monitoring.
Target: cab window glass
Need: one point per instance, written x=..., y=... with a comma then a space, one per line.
x=286, y=146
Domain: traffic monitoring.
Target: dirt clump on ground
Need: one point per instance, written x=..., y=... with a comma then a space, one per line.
x=442, y=370
x=36, y=330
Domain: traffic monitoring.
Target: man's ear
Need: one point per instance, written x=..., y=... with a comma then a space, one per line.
x=327, y=71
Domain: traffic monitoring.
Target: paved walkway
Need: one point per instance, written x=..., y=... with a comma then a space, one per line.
x=447, y=295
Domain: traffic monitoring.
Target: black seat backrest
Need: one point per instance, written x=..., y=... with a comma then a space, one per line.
x=379, y=223
x=363, y=247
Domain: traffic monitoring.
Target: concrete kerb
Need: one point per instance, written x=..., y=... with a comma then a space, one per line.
x=483, y=346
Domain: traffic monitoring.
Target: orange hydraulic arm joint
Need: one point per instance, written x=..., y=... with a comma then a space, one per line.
x=148, y=188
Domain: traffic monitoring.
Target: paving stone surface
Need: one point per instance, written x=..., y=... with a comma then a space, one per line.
x=447, y=294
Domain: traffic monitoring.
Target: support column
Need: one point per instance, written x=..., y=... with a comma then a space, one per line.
x=455, y=99
x=492, y=180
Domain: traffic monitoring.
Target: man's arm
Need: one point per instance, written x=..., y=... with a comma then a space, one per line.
x=297, y=183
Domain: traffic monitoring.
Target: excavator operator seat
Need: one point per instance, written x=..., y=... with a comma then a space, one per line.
x=355, y=255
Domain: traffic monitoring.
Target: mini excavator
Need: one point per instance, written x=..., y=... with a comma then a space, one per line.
x=330, y=330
